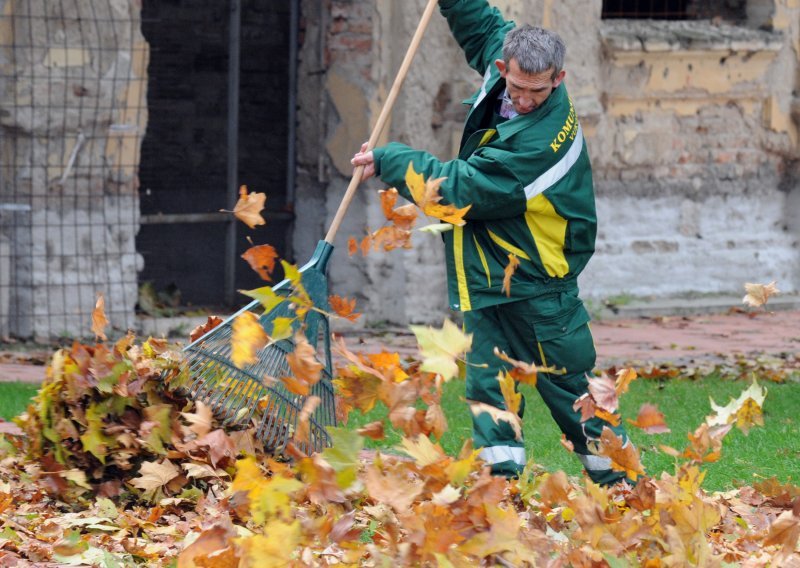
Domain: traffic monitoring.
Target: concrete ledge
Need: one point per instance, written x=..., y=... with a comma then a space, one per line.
x=643, y=307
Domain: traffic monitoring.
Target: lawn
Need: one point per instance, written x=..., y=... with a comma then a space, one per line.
x=771, y=450
x=14, y=398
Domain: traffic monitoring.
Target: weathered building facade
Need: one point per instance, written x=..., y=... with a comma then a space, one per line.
x=692, y=128
x=114, y=144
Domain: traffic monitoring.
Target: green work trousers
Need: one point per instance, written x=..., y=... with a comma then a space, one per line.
x=551, y=331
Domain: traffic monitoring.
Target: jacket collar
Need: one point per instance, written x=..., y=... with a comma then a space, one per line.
x=511, y=127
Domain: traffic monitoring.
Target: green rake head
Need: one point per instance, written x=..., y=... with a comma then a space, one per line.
x=240, y=397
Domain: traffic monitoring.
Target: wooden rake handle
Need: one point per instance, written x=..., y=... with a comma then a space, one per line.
x=382, y=118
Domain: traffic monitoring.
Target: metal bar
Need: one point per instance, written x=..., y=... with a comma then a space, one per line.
x=175, y=218
x=291, y=150
x=234, y=46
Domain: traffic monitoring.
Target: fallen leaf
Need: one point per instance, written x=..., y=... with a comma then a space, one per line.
x=650, y=419
x=441, y=347
x=373, y=430
x=622, y=453
x=521, y=372
x=99, y=320
x=498, y=415
x=624, y=378
x=508, y=272
x=604, y=392
x=758, y=294
x=261, y=258
x=344, y=307
x=155, y=475
x=247, y=338
x=202, y=329
x=248, y=208
x=426, y=196
x=303, y=362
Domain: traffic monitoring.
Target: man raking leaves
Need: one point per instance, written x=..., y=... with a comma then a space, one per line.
x=523, y=170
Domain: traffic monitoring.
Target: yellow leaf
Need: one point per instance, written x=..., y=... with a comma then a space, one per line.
x=758, y=294
x=426, y=196
x=524, y=373
x=624, y=378
x=99, y=320
x=512, y=398
x=623, y=454
x=274, y=549
x=247, y=338
x=441, y=347
x=248, y=208
x=745, y=411
x=508, y=272
x=423, y=450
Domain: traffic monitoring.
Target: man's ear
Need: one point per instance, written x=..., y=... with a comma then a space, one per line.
x=501, y=66
x=559, y=78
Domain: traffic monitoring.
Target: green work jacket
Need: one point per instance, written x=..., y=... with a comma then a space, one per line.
x=528, y=181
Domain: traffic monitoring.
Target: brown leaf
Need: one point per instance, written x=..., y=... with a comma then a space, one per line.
x=214, y=547
x=604, y=393
x=344, y=307
x=586, y=405
x=784, y=531
x=221, y=447
x=99, y=320
x=248, y=208
x=554, y=489
x=568, y=445
x=650, y=419
x=155, y=475
x=392, y=487
x=373, y=430
x=202, y=329
x=758, y=294
x=508, y=272
x=261, y=258
x=301, y=435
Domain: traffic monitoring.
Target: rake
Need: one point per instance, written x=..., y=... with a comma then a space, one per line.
x=239, y=397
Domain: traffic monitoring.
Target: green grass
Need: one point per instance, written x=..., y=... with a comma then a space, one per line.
x=771, y=450
x=14, y=398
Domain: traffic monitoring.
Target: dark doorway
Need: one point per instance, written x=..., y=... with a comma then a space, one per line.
x=183, y=173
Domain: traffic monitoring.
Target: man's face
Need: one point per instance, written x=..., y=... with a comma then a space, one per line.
x=527, y=90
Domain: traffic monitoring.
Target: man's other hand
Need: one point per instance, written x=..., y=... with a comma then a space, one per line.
x=366, y=159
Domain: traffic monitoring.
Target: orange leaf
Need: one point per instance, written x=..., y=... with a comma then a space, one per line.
x=248, y=208
x=426, y=196
x=203, y=328
x=304, y=420
x=508, y=272
x=344, y=307
x=303, y=361
x=651, y=420
x=623, y=455
x=366, y=244
x=99, y=320
x=261, y=258
x=524, y=373
x=568, y=445
x=352, y=246
x=624, y=378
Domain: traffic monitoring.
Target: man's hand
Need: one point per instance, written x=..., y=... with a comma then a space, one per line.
x=366, y=159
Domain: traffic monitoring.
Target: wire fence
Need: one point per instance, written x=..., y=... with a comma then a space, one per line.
x=72, y=117
x=729, y=10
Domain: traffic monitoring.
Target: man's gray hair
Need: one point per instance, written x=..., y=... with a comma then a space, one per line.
x=535, y=49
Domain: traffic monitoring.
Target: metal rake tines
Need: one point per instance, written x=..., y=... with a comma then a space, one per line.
x=238, y=396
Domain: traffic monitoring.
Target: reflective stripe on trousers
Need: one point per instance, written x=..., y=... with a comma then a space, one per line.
x=500, y=454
